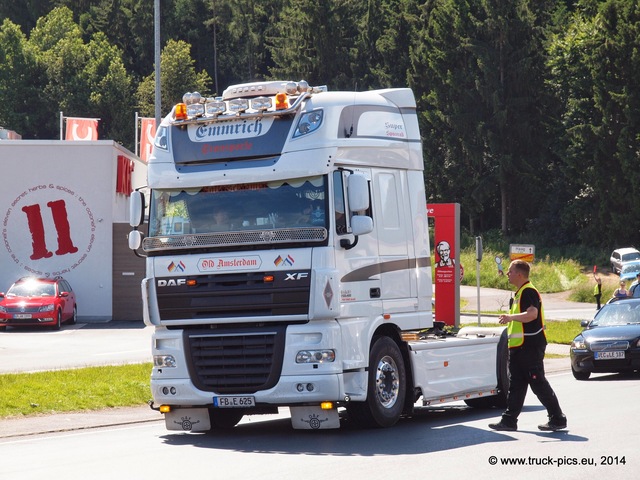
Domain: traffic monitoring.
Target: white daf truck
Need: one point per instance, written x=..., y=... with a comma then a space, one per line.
x=288, y=264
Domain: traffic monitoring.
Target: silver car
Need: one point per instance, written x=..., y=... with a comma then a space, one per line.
x=621, y=256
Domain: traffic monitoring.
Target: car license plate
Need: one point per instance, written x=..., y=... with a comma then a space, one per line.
x=234, y=402
x=609, y=355
x=21, y=315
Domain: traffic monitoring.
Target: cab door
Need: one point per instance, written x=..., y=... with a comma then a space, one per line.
x=393, y=236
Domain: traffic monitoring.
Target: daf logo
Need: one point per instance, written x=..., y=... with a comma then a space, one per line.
x=296, y=276
x=172, y=282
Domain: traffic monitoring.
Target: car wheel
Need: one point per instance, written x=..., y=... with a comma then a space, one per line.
x=74, y=317
x=580, y=375
x=58, y=321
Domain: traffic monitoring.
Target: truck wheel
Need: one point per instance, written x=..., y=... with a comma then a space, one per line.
x=502, y=372
x=386, y=388
x=224, y=418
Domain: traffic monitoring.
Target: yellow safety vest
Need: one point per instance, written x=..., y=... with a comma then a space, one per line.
x=515, y=330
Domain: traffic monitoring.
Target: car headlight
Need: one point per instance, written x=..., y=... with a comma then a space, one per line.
x=578, y=344
x=3, y=309
x=47, y=308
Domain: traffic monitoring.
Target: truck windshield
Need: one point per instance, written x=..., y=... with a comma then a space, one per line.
x=287, y=204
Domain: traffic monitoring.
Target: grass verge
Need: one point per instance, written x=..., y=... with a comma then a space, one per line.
x=91, y=388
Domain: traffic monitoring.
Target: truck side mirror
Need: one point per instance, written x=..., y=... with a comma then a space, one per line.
x=361, y=225
x=136, y=209
x=135, y=239
x=358, y=190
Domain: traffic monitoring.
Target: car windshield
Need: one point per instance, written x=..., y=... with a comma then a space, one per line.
x=627, y=257
x=32, y=289
x=618, y=313
x=295, y=203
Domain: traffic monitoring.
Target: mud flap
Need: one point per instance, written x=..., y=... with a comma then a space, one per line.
x=188, y=420
x=314, y=418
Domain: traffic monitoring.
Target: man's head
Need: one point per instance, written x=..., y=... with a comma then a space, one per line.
x=518, y=273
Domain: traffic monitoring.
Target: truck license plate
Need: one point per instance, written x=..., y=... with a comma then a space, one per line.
x=609, y=355
x=234, y=402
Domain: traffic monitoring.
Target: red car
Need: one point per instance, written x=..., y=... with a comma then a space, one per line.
x=38, y=301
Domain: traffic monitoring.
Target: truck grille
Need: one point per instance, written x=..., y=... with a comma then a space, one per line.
x=236, y=362
x=234, y=295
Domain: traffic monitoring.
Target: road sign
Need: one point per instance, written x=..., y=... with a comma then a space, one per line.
x=522, y=252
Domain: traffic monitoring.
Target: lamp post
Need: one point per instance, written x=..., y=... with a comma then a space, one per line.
x=156, y=34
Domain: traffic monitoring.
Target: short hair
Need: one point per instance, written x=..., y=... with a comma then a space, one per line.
x=523, y=267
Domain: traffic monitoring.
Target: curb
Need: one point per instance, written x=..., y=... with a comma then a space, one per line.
x=75, y=421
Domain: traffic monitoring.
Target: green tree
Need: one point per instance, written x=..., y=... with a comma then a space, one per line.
x=480, y=73
x=385, y=32
x=20, y=83
x=111, y=97
x=63, y=55
x=177, y=77
x=596, y=66
x=310, y=43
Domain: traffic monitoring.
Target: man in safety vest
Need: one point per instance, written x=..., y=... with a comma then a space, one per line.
x=527, y=343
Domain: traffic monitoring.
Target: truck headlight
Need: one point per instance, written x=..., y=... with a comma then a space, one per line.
x=315, y=356
x=164, y=361
x=309, y=122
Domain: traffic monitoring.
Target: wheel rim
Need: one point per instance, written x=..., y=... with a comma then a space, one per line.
x=387, y=382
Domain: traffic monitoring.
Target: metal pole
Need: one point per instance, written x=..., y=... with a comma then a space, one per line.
x=136, y=136
x=478, y=260
x=156, y=31
x=478, y=282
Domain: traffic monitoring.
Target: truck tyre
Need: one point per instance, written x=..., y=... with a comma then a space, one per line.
x=502, y=372
x=225, y=418
x=386, y=388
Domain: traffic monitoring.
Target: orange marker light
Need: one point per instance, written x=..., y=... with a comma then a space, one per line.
x=181, y=111
x=282, y=101
x=191, y=283
x=267, y=278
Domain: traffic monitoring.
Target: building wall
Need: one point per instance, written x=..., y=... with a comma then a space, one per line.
x=58, y=207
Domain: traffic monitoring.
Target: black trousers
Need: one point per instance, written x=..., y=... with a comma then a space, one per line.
x=526, y=369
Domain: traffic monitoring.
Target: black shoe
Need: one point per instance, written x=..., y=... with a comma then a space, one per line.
x=554, y=424
x=503, y=427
